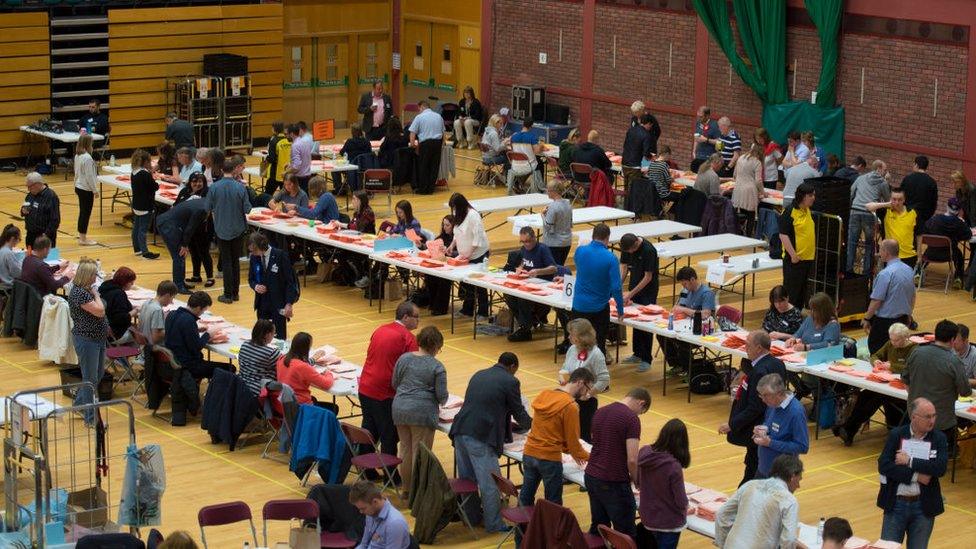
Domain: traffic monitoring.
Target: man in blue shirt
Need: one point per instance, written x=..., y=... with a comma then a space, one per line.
x=892, y=297
x=527, y=143
x=228, y=200
x=427, y=137
x=385, y=526
x=597, y=280
x=695, y=297
x=784, y=431
x=536, y=261
x=707, y=136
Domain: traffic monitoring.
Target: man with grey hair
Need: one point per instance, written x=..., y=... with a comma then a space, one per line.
x=41, y=211
x=763, y=514
x=868, y=188
x=708, y=181
x=748, y=408
x=784, y=429
x=892, y=297
x=178, y=132
x=914, y=458
x=796, y=175
x=731, y=146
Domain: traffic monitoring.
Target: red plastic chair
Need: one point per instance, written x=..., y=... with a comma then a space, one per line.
x=615, y=539
x=225, y=513
x=580, y=182
x=464, y=489
x=928, y=243
x=516, y=156
x=729, y=313
x=519, y=516
x=375, y=460
x=119, y=358
x=379, y=181
x=288, y=509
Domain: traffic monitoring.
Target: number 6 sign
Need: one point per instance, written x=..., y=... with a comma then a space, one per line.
x=569, y=286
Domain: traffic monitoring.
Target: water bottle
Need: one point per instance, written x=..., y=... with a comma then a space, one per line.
x=696, y=324
x=484, y=264
x=820, y=529
x=671, y=322
x=111, y=160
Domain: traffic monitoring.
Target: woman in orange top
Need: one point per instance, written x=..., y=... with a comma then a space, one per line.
x=295, y=370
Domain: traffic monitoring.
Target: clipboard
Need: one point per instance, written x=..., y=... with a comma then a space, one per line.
x=825, y=355
x=392, y=243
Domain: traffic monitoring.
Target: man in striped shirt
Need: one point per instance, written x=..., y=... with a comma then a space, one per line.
x=731, y=146
x=659, y=173
x=301, y=156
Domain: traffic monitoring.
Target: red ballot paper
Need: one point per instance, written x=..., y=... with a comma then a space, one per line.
x=412, y=235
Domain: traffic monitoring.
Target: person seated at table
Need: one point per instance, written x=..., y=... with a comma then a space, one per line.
x=187, y=163
x=196, y=186
x=894, y=353
x=290, y=193
x=439, y=288
x=118, y=309
x=782, y=320
x=583, y=352
x=492, y=147
x=405, y=220
x=820, y=329
x=363, y=220
x=589, y=152
x=695, y=298
x=708, y=181
x=204, y=158
x=36, y=272
x=95, y=121
x=258, y=358
x=356, y=145
x=394, y=140
x=535, y=260
x=296, y=371
x=326, y=209
x=566, y=149
x=10, y=260
x=952, y=226
x=167, y=166
x=659, y=174
x=152, y=317
x=527, y=143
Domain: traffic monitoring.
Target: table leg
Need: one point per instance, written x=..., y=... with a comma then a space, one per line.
x=474, y=315
x=818, y=402
x=691, y=360
x=101, y=207
x=451, y=308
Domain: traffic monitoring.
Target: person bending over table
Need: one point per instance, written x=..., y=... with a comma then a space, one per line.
x=536, y=261
x=295, y=370
x=290, y=193
x=597, y=280
x=36, y=272
x=187, y=163
x=782, y=319
x=471, y=243
x=695, y=298
x=820, y=329
x=895, y=354
x=796, y=232
x=763, y=513
x=167, y=166
x=583, y=353
x=258, y=358
x=557, y=222
x=273, y=280
x=639, y=258
x=438, y=288
x=420, y=382
x=325, y=210
x=184, y=230
x=118, y=309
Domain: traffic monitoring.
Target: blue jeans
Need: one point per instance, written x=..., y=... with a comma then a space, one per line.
x=140, y=226
x=173, y=244
x=666, y=540
x=861, y=222
x=477, y=461
x=907, y=518
x=91, y=362
x=611, y=504
x=550, y=473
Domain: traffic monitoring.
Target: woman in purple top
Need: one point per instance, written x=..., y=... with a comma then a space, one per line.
x=664, y=503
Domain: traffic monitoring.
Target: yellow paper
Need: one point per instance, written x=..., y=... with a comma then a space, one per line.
x=965, y=399
x=846, y=361
x=709, y=338
x=235, y=350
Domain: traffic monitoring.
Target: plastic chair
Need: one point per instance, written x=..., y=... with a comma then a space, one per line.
x=729, y=313
x=163, y=356
x=112, y=541
x=488, y=175
x=288, y=509
x=521, y=180
x=225, y=513
x=580, y=182
x=519, y=516
x=118, y=357
x=929, y=243
x=615, y=539
x=141, y=343
x=377, y=181
x=464, y=489
x=375, y=460
x=154, y=538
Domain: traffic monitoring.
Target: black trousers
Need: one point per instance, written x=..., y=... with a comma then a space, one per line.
x=751, y=462
x=440, y=294
x=279, y=321
x=428, y=163
x=795, y=280
x=878, y=335
x=376, y=133
x=643, y=342
x=230, y=263
x=696, y=163
x=559, y=254
x=200, y=256
x=587, y=408
x=303, y=182
x=31, y=235
x=470, y=292
x=867, y=404
x=601, y=324
x=378, y=420
x=86, y=201
x=271, y=186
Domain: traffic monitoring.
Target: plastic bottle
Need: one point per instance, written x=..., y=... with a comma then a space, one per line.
x=820, y=529
x=696, y=324
x=111, y=160
x=484, y=264
x=671, y=322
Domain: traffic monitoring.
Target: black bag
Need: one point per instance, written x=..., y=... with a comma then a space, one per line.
x=420, y=297
x=705, y=380
x=374, y=290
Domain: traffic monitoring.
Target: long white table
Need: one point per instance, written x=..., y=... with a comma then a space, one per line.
x=664, y=228
x=589, y=215
x=64, y=137
x=520, y=203
x=741, y=267
x=674, y=250
x=126, y=187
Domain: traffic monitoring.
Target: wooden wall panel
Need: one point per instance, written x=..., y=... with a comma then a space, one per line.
x=25, y=90
x=148, y=46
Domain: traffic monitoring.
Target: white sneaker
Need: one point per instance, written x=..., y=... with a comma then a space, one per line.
x=459, y=314
x=362, y=282
x=632, y=359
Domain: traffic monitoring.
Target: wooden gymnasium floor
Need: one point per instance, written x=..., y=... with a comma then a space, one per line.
x=838, y=480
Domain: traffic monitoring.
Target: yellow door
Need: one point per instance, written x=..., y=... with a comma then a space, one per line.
x=445, y=63
x=298, y=100
x=373, y=63
x=331, y=89
x=416, y=60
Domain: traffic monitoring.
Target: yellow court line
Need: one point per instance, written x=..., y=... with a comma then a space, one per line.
x=340, y=311
x=947, y=506
x=22, y=368
x=714, y=462
x=212, y=454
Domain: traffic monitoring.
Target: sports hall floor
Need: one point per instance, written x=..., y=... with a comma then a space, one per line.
x=837, y=481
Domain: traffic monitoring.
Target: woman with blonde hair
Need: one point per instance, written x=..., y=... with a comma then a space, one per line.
x=86, y=186
x=492, y=147
x=966, y=193
x=584, y=353
x=749, y=189
x=89, y=330
x=178, y=540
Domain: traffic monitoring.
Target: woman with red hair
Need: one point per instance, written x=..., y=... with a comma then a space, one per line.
x=118, y=310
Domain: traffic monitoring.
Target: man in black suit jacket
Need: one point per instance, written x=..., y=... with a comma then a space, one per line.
x=480, y=429
x=748, y=408
x=913, y=459
x=178, y=227
x=369, y=104
x=273, y=280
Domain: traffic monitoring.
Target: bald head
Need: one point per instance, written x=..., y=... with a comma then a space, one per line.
x=757, y=344
x=889, y=248
x=922, y=414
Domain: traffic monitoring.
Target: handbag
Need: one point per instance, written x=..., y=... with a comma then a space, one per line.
x=304, y=537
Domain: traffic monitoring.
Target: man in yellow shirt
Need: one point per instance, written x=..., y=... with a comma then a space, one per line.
x=899, y=225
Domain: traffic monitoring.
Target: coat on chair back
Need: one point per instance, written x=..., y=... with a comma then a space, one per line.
x=718, y=217
x=601, y=193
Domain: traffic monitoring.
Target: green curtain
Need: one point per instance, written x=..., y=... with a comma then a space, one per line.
x=827, y=123
x=826, y=15
x=762, y=30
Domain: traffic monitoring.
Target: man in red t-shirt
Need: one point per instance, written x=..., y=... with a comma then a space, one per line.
x=387, y=343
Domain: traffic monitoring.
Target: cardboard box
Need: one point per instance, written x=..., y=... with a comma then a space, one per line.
x=89, y=507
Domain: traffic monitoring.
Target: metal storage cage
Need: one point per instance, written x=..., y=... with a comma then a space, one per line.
x=236, y=95
x=197, y=99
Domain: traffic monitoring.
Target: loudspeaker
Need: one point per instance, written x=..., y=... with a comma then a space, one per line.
x=557, y=114
x=529, y=102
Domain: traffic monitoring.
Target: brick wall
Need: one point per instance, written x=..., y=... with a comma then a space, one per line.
x=649, y=53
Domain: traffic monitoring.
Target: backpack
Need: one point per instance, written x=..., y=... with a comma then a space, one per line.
x=705, y=379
